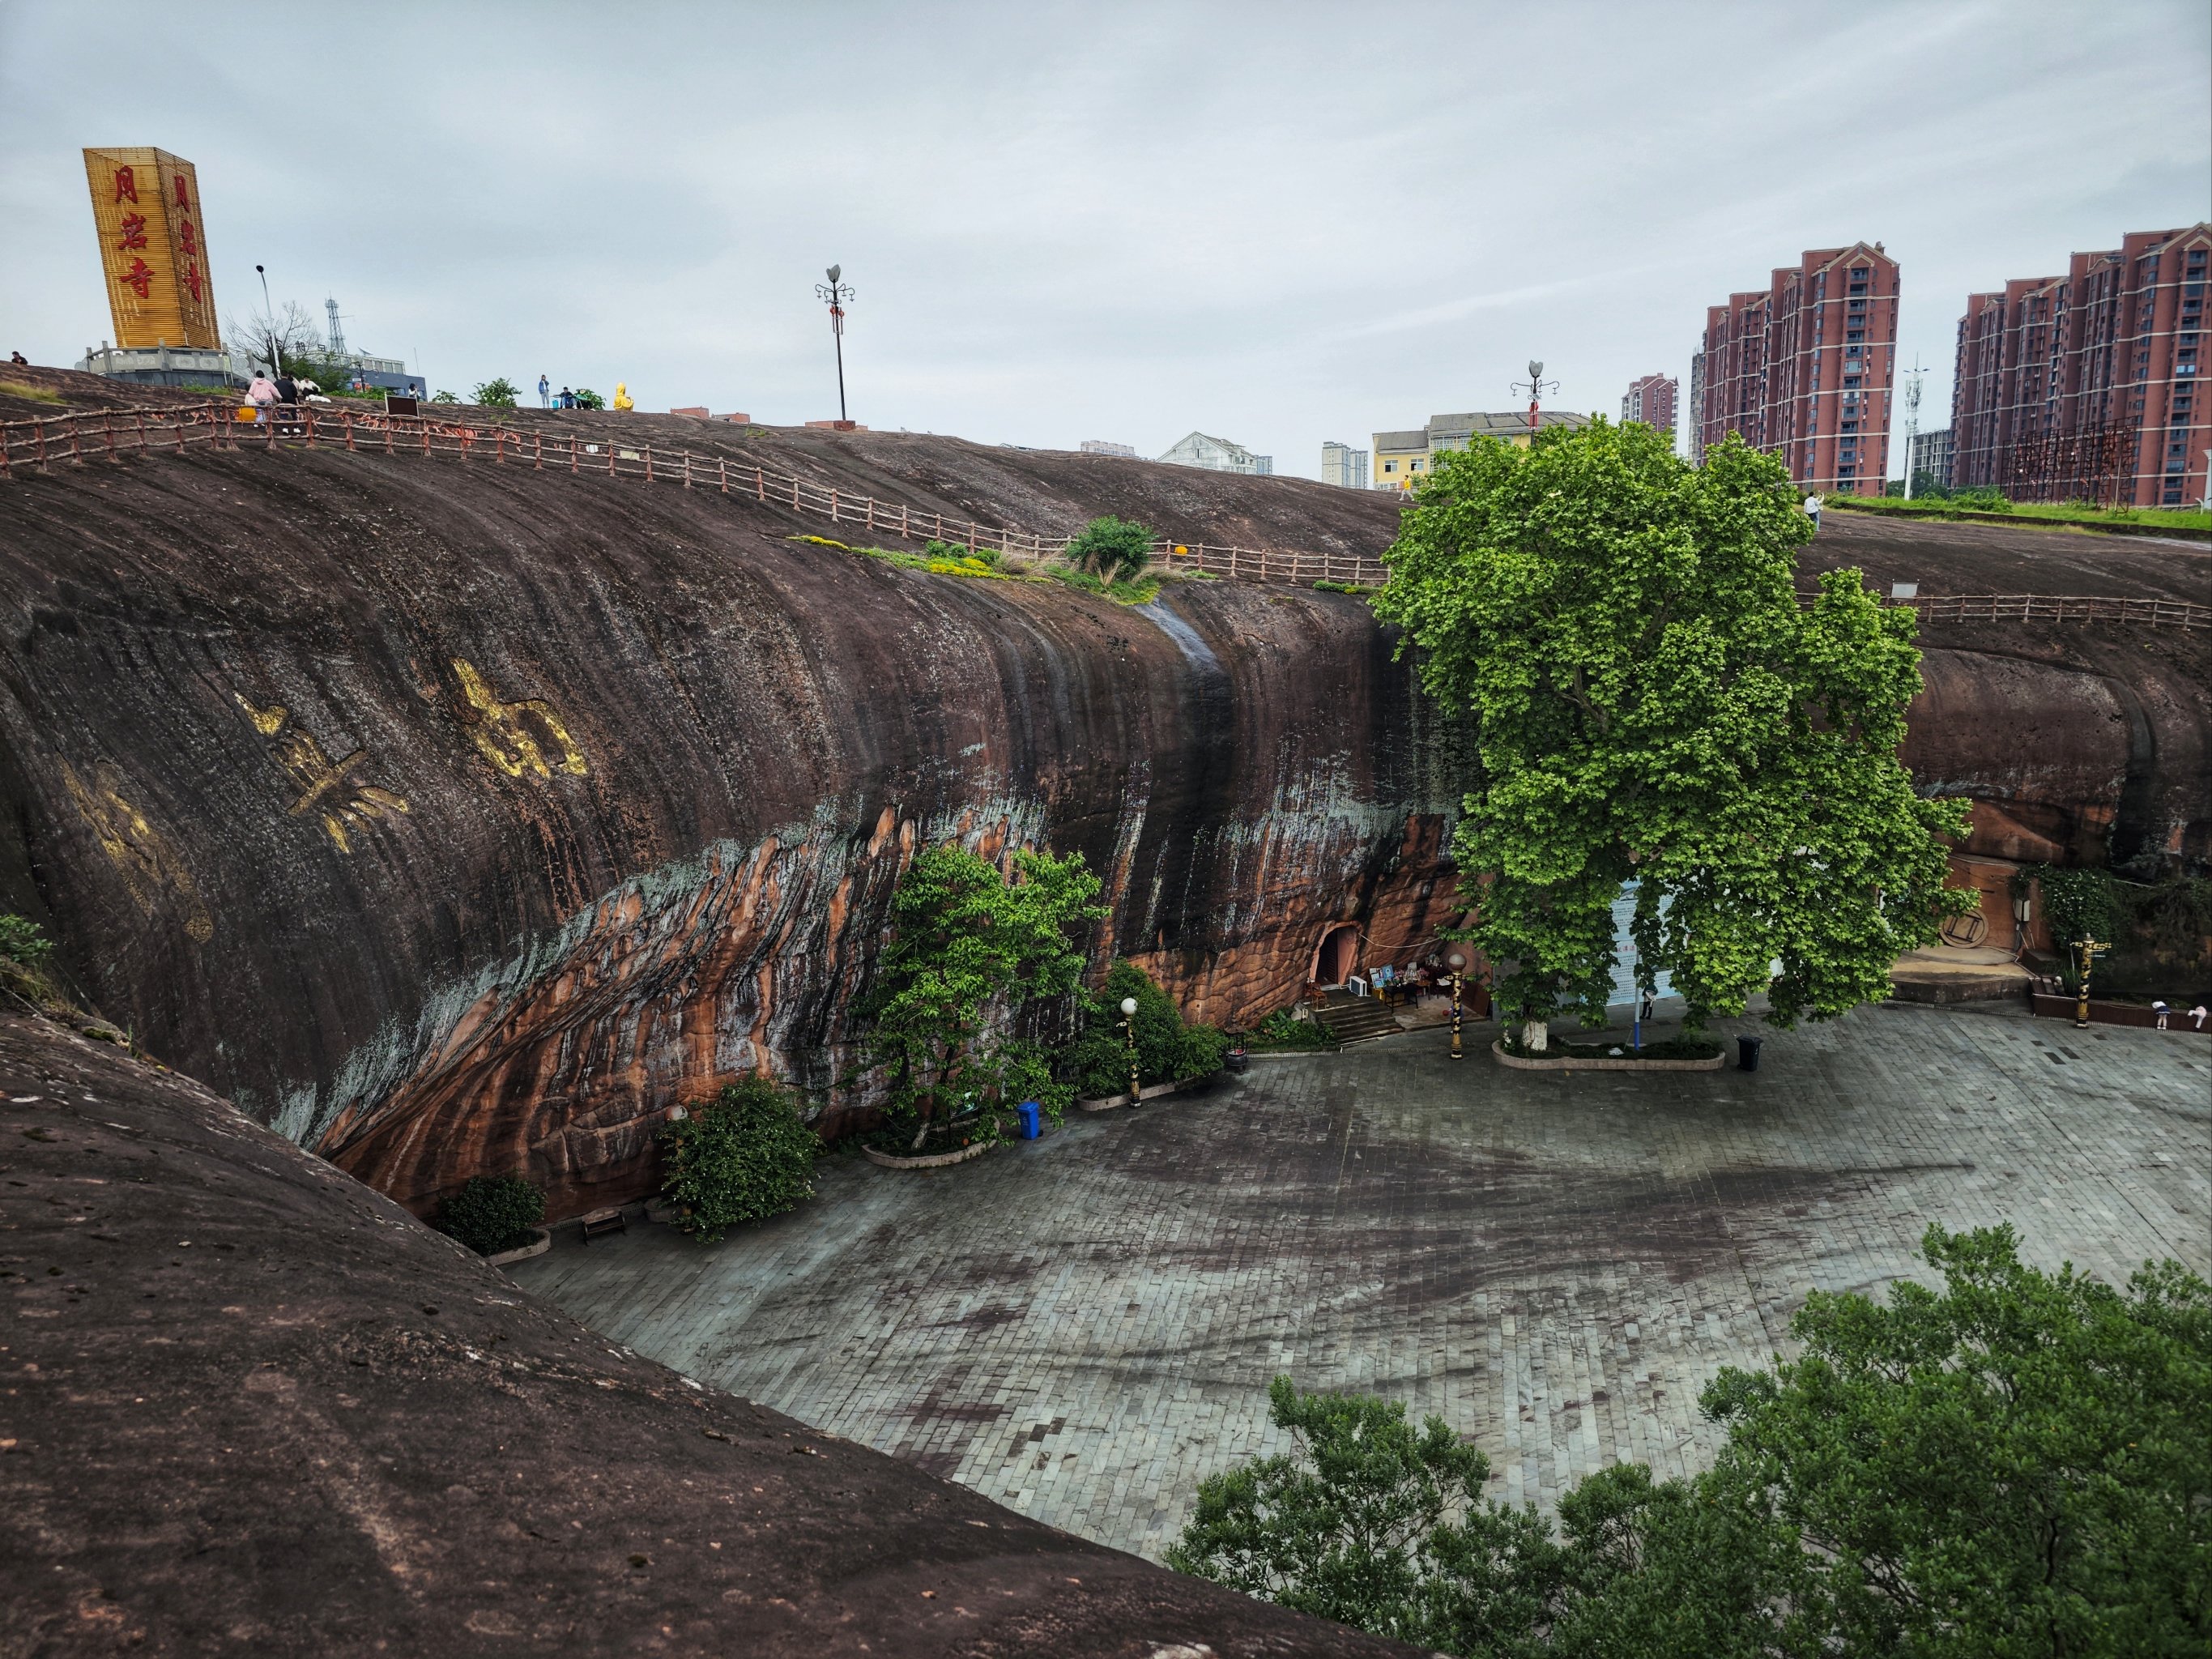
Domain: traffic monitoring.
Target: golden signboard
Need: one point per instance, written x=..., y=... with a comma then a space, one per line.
x=152, y=248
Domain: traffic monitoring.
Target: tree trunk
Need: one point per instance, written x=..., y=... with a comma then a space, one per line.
x=1537, y=1037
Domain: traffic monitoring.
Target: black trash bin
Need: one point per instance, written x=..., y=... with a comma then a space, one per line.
x=1746, y=1053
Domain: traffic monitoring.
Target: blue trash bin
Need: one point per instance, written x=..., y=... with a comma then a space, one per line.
x=1031, y=1127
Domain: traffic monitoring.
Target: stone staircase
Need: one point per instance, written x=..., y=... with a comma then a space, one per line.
x=1357, y=1019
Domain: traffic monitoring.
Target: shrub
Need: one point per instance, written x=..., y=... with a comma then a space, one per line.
x=443, y=398
x=23, y=942
x=1168, y=1049
x=1284, y=1030
x=744, y=1156
x=494, y=394
x=587, y=398
x=493, y=1213
x=1114, y=549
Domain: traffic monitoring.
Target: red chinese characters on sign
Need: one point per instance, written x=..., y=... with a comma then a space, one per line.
x=134, y=231
x=183, y=201
x=139, y=279
x=126, y=185
x=186, y=240
x=192, y=277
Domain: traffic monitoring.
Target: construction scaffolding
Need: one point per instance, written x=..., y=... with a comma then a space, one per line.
x=2094, y=463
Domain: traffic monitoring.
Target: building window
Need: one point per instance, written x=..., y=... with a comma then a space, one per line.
x=1389, y=466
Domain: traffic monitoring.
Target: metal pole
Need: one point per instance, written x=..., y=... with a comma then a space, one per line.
x=837, y=329
x=1129, y=1024
x=2088, y=948
x=268, y=316
x=1455, y=1047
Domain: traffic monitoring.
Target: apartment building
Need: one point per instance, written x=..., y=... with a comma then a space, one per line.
x=1928, y=457
x=2084, y=386
x=1650, y=398
x=1805, y=368
x=1217, y=455
x=1343, y=465
x=1402, y=459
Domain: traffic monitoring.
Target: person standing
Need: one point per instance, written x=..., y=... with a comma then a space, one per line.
x=1812, y=512
x=2159, y=1008
x=545, y=393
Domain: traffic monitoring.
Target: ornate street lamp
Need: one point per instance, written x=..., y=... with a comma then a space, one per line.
x=1457, y=963
x=837, y=294
x=2091, y=949
x=1129, y=1025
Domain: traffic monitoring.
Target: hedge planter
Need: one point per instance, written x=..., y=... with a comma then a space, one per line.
x=540, y=1240
x=1626, y=1063
x=1148, y=1093
x=933, y=1161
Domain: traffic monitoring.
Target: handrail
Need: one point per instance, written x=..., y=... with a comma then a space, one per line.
x=114, y=432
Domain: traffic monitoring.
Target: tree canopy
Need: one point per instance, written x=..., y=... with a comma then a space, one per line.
x=1114, y=549
x=1652, y=703
x=2014, y=1466
x=970, y=947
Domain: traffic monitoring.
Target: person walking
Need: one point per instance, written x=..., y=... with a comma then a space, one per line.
x=545, y=393
x=262, y=394
x=1812, y=512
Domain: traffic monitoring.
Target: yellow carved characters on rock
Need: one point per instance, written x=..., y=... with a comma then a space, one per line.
x=328, y=788
x=149, y=866
x=517, y=737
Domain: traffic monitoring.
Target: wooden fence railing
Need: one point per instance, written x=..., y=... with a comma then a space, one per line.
x=95, y=435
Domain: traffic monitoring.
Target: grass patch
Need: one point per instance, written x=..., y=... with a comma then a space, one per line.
x=1280, y=1033
x=37, y=394
x=2033, y=511
x=1143, y=591
x=1681, y=1047
x=939, y=558
x=1354, y=588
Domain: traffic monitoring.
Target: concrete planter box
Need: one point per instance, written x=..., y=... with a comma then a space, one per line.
x=1152, y=1093
x=540, y=1240
x=934, y=1161
x=1569, y=1063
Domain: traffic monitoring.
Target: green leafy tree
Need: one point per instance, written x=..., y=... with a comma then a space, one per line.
x=1650, y=702
x=587, y=398
x=494, y=394
x=492, y=1213
x=1373, y=1523
x=972, y=950
x=443, y=398
x=2014, y=1466
x=744, y=1156
x=1168, y=1048
x=1113, y=549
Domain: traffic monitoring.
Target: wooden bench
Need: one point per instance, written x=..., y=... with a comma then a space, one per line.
x=604, y=1221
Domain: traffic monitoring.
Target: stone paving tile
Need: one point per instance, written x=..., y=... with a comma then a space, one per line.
x=1085, y=1326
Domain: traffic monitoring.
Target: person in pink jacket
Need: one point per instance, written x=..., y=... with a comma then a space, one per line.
x=262, y=394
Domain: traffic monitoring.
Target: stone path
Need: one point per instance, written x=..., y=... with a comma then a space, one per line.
x=1085, y=1326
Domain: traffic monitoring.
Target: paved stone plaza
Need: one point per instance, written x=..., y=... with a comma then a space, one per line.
x=1084, y=1326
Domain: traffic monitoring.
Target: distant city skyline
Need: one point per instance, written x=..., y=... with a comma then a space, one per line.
x=654, y=206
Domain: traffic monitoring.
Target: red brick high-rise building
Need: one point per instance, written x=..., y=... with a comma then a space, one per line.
x=1650, y=399
x=1803, y=369
x=2084, y=386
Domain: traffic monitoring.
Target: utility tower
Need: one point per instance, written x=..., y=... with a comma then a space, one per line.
x=1536, y=385
x=1911, y=418
x=337, y=333
x=837, y=294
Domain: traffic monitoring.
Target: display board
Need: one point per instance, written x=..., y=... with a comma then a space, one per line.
x=152, y=248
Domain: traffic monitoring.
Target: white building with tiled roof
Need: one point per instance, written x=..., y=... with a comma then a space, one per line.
x=1218, y=455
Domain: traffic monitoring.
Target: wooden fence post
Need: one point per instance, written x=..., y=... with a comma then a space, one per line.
x=760, y=485
x=536, y=452
x=722, y=467
x=648, y=463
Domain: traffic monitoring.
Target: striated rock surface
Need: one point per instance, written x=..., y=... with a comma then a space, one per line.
x=251, y=1407
x=455, y=818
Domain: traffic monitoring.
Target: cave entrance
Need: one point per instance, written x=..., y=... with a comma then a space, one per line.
x=1338, y=956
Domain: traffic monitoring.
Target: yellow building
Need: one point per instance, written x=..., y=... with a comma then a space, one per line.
x=1403, y=460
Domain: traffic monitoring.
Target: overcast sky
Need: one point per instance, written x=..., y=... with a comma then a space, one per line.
x=1279, y=223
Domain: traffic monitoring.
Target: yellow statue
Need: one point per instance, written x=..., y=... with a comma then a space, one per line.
x=622, y=397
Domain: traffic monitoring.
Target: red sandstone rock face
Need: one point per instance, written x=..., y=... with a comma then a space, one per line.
x=458, y=819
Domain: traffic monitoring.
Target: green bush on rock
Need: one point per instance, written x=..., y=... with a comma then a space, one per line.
x=493, y=1213
x=1168, y=1049
x=744, y=1156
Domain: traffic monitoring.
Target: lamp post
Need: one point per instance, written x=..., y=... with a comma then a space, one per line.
x=1536, y=385
x=268, y=316
x=1129, y=1026
x=1457, y=963
x=2089, y=949
x=835, y=293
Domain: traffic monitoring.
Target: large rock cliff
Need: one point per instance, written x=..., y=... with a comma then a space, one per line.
x=457, y=817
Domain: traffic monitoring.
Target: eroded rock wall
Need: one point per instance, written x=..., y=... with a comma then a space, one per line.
x=458, y=819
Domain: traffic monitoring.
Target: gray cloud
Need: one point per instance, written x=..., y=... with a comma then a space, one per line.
x=1280, y=223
